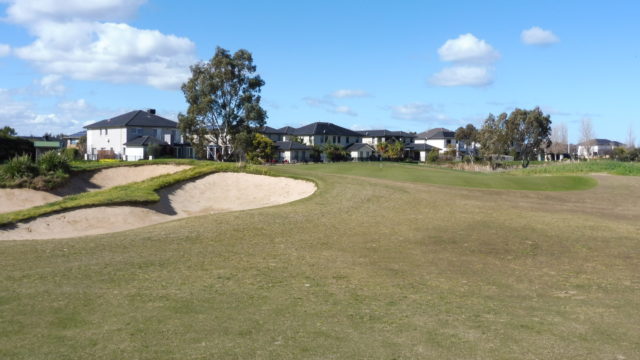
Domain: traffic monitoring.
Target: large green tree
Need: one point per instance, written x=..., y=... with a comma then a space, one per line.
x=7, y=131
x=223, y=95
x=529, y=132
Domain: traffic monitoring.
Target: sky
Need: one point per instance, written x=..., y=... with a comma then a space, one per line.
x=397, y=65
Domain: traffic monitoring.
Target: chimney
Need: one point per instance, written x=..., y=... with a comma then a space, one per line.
x=151, y=111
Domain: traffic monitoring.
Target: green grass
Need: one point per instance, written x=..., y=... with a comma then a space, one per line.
x=443, y=176
x=584, y=167
x=134, y=193
x=366, y=268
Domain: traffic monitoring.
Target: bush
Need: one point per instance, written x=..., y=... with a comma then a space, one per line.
x=51, y=162
x=11, y=147
x=72, y=154
x=433, y=155
x=154, y=150
x=19, y=167
x=335, y=153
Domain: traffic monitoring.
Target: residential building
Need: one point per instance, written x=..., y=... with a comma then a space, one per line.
x=71, y=141
x=440, y=138
x=361, y=151
x=109, y=138
x=375, y=137
x=598, y=148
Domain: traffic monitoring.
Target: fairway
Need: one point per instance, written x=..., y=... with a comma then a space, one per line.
x=384, y=261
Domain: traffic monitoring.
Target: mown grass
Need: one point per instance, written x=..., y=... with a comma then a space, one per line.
x=366, y=268
x=134, y=193
x=442, y=176
x=584, y=167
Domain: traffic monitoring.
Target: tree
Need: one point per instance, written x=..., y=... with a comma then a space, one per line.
x=493, y=137
x=382, y=149
x=263, y=149
x=469, y=136
x=224, y=101
x=335, y=152
x=559, y=140
x=631, y=138
x=7, y=131
x=587, y=137
x=529, y=132
x=82, y=144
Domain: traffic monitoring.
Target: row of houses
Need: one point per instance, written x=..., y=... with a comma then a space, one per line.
x=128, y=136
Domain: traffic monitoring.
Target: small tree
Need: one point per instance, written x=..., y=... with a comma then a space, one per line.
x=7, y=131
x=335, y=152
x=559, y=140
x=529, y=132
x=587, y=137
x=224, y=101
x=493, y=137
x=82, y=144
x=316, y=153
x=263, y=149
x=469, y=136
x=433, y=155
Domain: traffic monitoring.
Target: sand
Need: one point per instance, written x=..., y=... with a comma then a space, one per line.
x=17, y=199
x=214, y=193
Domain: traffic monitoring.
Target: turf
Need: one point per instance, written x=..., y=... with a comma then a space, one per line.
x=367, y=268
x=442, y=176
x=584, y=167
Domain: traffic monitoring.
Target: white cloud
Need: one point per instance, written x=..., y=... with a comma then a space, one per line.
x=472, y=58
x=463, y=75
x=349, y=93
x=71, y=41
x=538, y=36
x=4, y=50
x=413, y=111
x=28, y=11
x=344, y=110
x=50, y=85
x=468, y=49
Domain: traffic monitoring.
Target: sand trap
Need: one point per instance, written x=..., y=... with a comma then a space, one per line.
x=211, y=194
x=17, y=199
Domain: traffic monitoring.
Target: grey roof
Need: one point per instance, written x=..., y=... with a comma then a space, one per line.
x=420, y=147
x=290, y=145
x=377, y=133
x=604, y=142
x=145, y=141
x=324, y=128
x=268, y=130
x=437, y=133
x=359, y=146
x=136, y=118
x=77, y=135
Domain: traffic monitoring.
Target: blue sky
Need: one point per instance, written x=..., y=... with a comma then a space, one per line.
x=405, y=65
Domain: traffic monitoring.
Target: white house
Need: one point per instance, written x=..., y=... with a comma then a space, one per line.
x=292, y=152
x=361, y=151
x=440, y=138
x=136, y=129
x=598, y=148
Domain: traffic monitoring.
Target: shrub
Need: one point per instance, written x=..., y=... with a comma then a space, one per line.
x=335, y=153
x=433, y=155
x=19, y=167
x=72, y=154
x=154, y=150
x=11, y=147
x=52, y=161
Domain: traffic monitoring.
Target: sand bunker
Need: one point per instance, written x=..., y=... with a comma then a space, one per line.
x=17, y=199
x=215, y=193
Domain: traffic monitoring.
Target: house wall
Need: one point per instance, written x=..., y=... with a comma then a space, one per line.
x=363, y=154
x=439, y=143
x=106, y=139
x=134, y=153
x=329, y=139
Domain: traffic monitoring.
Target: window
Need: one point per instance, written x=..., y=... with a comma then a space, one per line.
x=106, y=131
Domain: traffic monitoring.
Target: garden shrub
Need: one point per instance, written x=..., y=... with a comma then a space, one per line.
x=52, y=161
x=433, y=155
x=72, y=154
x=19, y=167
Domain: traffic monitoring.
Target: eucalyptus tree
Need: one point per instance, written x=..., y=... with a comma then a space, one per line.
x=529, y=132
x=223, y=95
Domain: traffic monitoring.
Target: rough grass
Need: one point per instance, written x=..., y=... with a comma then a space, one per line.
x=366, y=268
x=443, y=176
x=134, y=193
x=584, y=167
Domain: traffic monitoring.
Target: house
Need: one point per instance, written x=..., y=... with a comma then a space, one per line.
x=292, y=151
x=375, y=137
x=71, y=141
x=361, y=151
x=440, y=138
x=112, y=137
x=598, y=148
x=43, y=146
x=419, y=151
x=314, y=134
